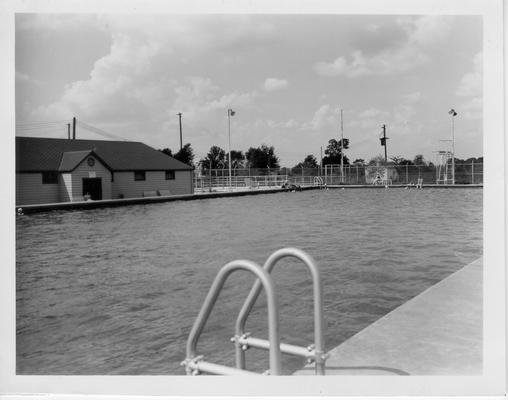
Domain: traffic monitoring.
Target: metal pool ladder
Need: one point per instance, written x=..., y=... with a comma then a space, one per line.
x=195, y=364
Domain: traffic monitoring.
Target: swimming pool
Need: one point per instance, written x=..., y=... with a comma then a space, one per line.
x=115, y=291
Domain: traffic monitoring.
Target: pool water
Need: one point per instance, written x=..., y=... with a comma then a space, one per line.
x=116, y=290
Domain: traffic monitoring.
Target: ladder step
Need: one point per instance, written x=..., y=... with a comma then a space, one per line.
x=217, y=369
x=284, y=347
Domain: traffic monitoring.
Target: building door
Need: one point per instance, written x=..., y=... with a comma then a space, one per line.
x=93, y=187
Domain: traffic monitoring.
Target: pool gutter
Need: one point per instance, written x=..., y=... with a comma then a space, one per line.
x=34, y=208
x=76, y=205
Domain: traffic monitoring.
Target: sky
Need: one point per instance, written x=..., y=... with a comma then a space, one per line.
x=286, y=76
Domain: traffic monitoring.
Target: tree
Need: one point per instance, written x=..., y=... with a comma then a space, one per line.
x=237, y=159
x=334, y=152
x=309, y=162
x=406, y=162
x=379, y=159
x=167, y=151
x=419, y=160
x=215, y=158
x=185, y=155
x=359, y=161
x=262, y=157
x=398, y=160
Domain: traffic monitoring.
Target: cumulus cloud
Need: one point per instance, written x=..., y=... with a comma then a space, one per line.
x=372, y=113
x=131, y=86
x=323, y=116
x=421, y=33
x=470, y=88
x=412, y=97
x=369, y=119
x=25, y=78
x=471, y=82
x=272, y=84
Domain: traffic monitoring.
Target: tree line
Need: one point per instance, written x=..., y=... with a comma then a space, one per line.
x=264, y=157
x=217, y=158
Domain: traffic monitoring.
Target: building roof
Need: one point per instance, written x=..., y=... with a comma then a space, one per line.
x=45, y=154
x=71, y=159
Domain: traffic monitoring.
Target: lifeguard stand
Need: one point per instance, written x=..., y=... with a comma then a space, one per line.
x=444, y=170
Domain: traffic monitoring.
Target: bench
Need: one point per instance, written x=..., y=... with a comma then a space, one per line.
x=150, y=193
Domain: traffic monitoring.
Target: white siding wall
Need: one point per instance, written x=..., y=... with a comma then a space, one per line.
x=30, y=190
x=124, y=183
x=83, y=170
x=182, y=183
x=65, y=182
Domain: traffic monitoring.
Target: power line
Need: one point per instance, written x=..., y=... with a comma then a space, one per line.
x=38, y=128
x=101, y=132
x=38, y=123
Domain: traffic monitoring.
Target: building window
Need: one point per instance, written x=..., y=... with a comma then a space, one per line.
x=49, y=177
x=170, y=175
x=139, y=176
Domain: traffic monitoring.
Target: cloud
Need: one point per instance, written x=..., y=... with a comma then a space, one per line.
x=272, y=84
x=421, y=35
x=337, y=67
x=324, y=116
x=412, y=97
x=58, y=22
x=472, y=108
x=131, y=88
x=429, y=30
x=403, y=113
x=372, y=113
x=289, y=124
x=27, y=79
x=470, y=88
x=371, y=119
x=132, y=91
x=471, y=82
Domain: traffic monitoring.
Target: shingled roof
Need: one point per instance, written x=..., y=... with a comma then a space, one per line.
x=45, y=154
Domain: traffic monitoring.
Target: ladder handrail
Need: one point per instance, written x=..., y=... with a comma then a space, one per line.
x=318, y=306
x=264, y=280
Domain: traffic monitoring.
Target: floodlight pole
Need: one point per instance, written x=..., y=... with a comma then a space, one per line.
x=453, y=147
x=321, y=163
x=230, y=114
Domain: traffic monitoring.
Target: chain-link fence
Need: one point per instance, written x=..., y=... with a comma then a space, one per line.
x=257, y=178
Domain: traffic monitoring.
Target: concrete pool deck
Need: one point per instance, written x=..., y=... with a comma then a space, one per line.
x=438, y=332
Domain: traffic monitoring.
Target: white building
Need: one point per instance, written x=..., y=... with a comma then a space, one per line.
x=62, y=170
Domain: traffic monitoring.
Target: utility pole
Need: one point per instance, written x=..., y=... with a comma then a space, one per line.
x=69, y=131
x=73, y=128
x=383, y=143
x=180, y=119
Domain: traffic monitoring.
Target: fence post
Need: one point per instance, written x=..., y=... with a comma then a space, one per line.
x=472, y=172
x=407, y=175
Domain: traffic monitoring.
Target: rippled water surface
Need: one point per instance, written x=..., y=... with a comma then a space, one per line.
x=116, y=290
